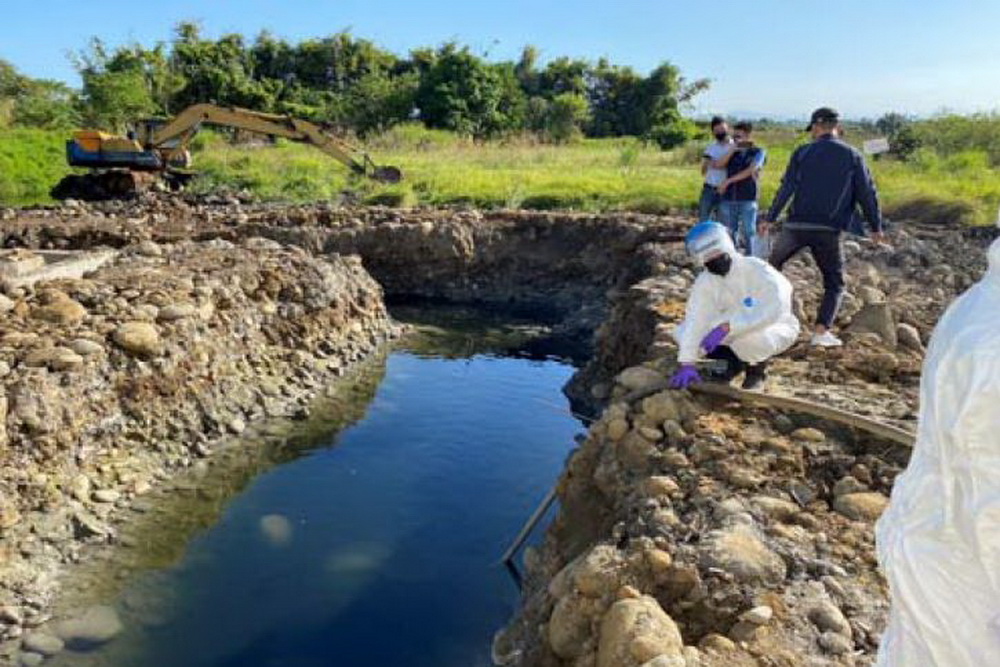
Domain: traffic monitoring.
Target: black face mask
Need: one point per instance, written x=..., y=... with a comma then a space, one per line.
x=719, y=265
x=721, y=135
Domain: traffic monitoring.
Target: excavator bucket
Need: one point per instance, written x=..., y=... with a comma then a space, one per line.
x=387, y=174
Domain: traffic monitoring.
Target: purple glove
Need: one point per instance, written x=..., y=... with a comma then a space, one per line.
x=685, y=376
x=714, y=338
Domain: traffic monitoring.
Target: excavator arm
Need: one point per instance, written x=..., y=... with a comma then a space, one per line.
x=182, y=127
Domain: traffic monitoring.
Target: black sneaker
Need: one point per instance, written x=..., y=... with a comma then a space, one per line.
x=756, y=375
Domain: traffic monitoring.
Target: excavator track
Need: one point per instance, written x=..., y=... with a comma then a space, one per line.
x=115, y=184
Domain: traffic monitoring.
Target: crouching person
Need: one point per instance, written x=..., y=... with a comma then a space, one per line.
x=739, y=311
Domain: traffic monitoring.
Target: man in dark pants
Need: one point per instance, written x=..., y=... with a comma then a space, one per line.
x=826, y=181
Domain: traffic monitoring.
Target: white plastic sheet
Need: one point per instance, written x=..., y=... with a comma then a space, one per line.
x=939, y=540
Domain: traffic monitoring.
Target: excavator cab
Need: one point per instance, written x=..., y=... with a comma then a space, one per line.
x=99, y=150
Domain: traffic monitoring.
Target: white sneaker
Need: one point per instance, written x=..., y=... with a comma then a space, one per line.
x=825, y=339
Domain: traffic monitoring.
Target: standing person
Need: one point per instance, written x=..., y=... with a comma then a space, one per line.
x=739, y=190
x=739, y=311
x=938, y=542
x=826, y=181
x=708, y=204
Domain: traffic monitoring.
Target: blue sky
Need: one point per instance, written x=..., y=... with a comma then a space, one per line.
x=775, y=57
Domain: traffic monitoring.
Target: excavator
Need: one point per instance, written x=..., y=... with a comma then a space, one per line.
x=156, y=151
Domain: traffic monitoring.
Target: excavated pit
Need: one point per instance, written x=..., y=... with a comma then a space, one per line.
x=703, y=511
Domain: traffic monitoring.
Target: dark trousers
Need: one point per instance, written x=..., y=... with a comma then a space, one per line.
x=727, y=354
x=826, y=250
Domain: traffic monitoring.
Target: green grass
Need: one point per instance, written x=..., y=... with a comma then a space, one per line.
x=31, y=162
x=441, y=169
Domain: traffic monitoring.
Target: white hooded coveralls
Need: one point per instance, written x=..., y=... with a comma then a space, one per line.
x=754, y=298
x=939, y=540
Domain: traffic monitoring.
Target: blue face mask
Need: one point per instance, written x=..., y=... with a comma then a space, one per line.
x=719, y=265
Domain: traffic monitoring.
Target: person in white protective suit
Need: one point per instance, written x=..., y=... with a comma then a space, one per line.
x=938, y=542
x=739, y=310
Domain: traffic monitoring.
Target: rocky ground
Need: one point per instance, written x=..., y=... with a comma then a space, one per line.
x=698, y=532
x=691, y=532
x=117, y=381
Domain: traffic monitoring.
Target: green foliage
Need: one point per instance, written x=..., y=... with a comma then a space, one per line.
x=898, y=129
x=31, y=162
x=377, y=101
x=950, y=134
x=354, y=85
x=27, y=102
x=114, y=99
x=564, y=117
x=464, y=93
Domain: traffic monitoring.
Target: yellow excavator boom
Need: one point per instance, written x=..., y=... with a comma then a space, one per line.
x=183, y=126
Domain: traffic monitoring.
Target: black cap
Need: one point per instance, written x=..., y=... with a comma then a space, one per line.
x=823, y=115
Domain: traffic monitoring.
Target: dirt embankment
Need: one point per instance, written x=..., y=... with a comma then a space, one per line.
x=700, y=532
x=562, y=267
x=115, y=381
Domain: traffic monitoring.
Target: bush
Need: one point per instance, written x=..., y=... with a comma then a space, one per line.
x=564, y=117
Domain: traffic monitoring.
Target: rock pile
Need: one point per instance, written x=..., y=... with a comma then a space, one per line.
x=114, y=381
x=695, y=535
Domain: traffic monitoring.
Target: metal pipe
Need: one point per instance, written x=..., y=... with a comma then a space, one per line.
x=530, y=524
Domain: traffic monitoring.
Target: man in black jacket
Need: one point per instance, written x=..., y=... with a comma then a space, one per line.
x=826, y=181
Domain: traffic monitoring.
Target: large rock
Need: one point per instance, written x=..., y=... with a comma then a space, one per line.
x=827, y=617
x=639, y=378
x=599, y=572
x=85, y=347
x=569, y=625
x=95, y=626
x=866, y=506
x=739, y=551
x=909, y=337
x=876, y=318
x=62, y=310
x=42, y=643
x=635, y=631
x=139, y=338
x=176, y=311
x=661, y=407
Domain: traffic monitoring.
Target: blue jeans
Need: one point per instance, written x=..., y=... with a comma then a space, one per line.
x=710, y=200
x=740, y=218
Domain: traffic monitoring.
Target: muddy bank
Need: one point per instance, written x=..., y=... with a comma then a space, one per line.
x=699, y=532
x=116, y=381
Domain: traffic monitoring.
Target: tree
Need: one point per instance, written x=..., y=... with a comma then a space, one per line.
x=898, y=129
x=659, y=117
x=35, y=102
x=47, y=104
x=112, y=100
x=461, y=92
x=525, y=71
x=218, y=71
x=566, y=114
x=564, y=75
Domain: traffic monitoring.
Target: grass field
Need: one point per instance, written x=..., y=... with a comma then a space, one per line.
x=592, y=175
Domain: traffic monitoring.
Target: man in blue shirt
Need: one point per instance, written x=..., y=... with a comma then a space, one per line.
x=827, y=181
x=739, y=189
